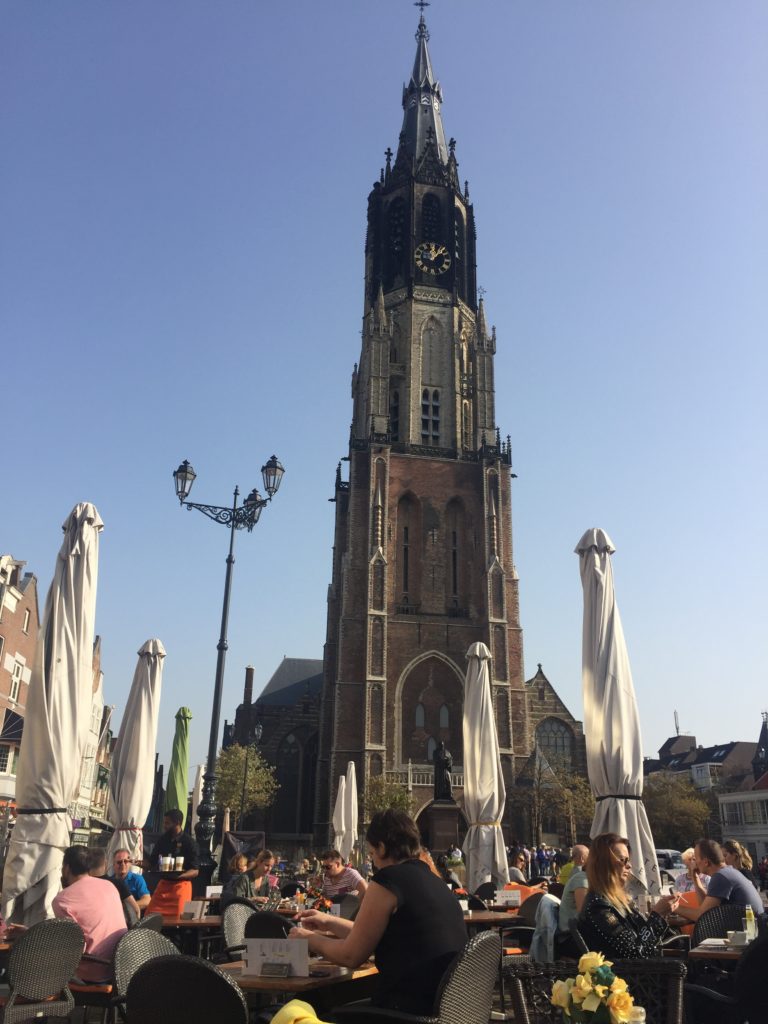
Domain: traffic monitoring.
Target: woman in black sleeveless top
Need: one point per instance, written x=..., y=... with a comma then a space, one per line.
x=408, y=918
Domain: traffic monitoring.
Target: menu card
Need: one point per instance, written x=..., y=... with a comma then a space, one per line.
x=261, y=956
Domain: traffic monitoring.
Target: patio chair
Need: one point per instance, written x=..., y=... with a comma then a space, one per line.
x=183, y=990
x=266, y=925
x=289, y=890
x=154, y=922
x=657, y=985
x=465, y=995
x=233, y=922
x=40, y=965
x=486, y=891
x=717, y=922
x=134, y=949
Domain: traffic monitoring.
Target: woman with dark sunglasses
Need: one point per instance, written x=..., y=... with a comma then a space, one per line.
x=609, y=921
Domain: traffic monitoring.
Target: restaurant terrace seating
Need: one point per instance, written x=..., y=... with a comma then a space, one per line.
x=465, y=995
x=656, y=985
x=134, y=949
x=40, y=964
x=183, y=990
x=266, y=925
x=746, y=1003
x=233, y=922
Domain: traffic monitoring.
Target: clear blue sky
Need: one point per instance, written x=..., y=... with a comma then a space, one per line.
x=182, y=198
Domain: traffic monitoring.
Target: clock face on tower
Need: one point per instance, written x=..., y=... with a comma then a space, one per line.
x=432, y=258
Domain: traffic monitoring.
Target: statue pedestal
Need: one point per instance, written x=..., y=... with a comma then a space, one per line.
x=443, y=825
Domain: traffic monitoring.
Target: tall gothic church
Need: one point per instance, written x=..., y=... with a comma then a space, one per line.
x=422, y=561
x=422, y=556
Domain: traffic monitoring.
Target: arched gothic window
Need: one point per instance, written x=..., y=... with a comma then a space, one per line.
x=444, y=717
x=431, y=221
x=394, y=416
x=430, y=417
x=555, y=739
x=419, y=716
x=431, y=747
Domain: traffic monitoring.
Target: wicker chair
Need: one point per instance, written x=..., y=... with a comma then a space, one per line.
x=233, y=922
x=266, y=926
x=289, y=889
x=656, y=985
x=134, y=949
x=183, y=990
x=465, y=994
x=40, y=965
x=486, y=891
x=717, y=922
x=154, y=922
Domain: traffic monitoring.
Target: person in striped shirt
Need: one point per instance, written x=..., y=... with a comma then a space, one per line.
x=338, y=879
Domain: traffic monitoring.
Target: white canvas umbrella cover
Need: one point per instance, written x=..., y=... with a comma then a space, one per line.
x=56, y=724
x=132, y=778
x=350, y=812
x=611, y=718
x=484, y=790
x=338, y=819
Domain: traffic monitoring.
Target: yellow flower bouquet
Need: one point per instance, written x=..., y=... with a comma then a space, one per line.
x=596, y=995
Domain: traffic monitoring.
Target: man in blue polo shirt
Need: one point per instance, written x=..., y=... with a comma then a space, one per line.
x=137, y=886
x=726, y=885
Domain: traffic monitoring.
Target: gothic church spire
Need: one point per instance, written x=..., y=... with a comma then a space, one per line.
x=422, y=98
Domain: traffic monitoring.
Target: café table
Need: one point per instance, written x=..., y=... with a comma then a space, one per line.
x=193, y=930
x=716, y=949
x=328, y=985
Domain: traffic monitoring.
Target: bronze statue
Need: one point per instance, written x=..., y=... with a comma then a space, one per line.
x=443, y=763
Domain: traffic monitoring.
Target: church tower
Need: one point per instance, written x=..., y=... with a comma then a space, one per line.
x=422, y=559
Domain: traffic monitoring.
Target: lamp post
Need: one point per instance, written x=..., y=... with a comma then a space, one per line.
x=238, y=517
x=253, y=737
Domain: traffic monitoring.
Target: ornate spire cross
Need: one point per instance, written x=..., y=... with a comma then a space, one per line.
x=421, y=4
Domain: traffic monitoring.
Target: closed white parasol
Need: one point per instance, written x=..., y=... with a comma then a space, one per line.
x=484, y=789
x=339, y=817
x=350, y=812
x=611, y=719
x=133, y=762
x=56, y=724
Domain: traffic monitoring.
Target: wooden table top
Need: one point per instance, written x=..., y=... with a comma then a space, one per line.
x=212, y=921
x=712, y=952
x=326, y=974
x=491, y=917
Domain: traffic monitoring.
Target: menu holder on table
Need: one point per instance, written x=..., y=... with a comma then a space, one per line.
x=508, y=897
x=193, y=910
x=271, y=958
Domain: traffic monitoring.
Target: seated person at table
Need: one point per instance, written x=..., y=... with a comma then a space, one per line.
x=171, y=894
x=737, y=856
x=685, y=881
x=96, y=907
x=575, y=891
x=97, y=868
x=517, y=868
x=137, y=885
x=338, y=879
x=253, y=883
x=609, y=921
x=409, y=919
x=726, y=884
x=447, y=874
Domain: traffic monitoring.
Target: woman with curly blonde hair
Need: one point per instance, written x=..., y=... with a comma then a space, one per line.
x=609, y=921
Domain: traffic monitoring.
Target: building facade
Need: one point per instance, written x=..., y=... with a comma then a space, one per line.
x=423, y=563
x=19, y=623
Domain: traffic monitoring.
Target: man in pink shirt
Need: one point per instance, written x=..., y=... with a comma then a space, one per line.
x=96, y=907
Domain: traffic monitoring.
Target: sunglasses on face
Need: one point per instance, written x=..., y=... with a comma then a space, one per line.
x=122, y=862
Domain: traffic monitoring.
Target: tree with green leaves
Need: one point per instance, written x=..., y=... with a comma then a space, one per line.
x=245, y=781
x=677, y=814
x=381, y=794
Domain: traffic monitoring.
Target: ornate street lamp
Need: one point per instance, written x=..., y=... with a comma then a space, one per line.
x=238, y=517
